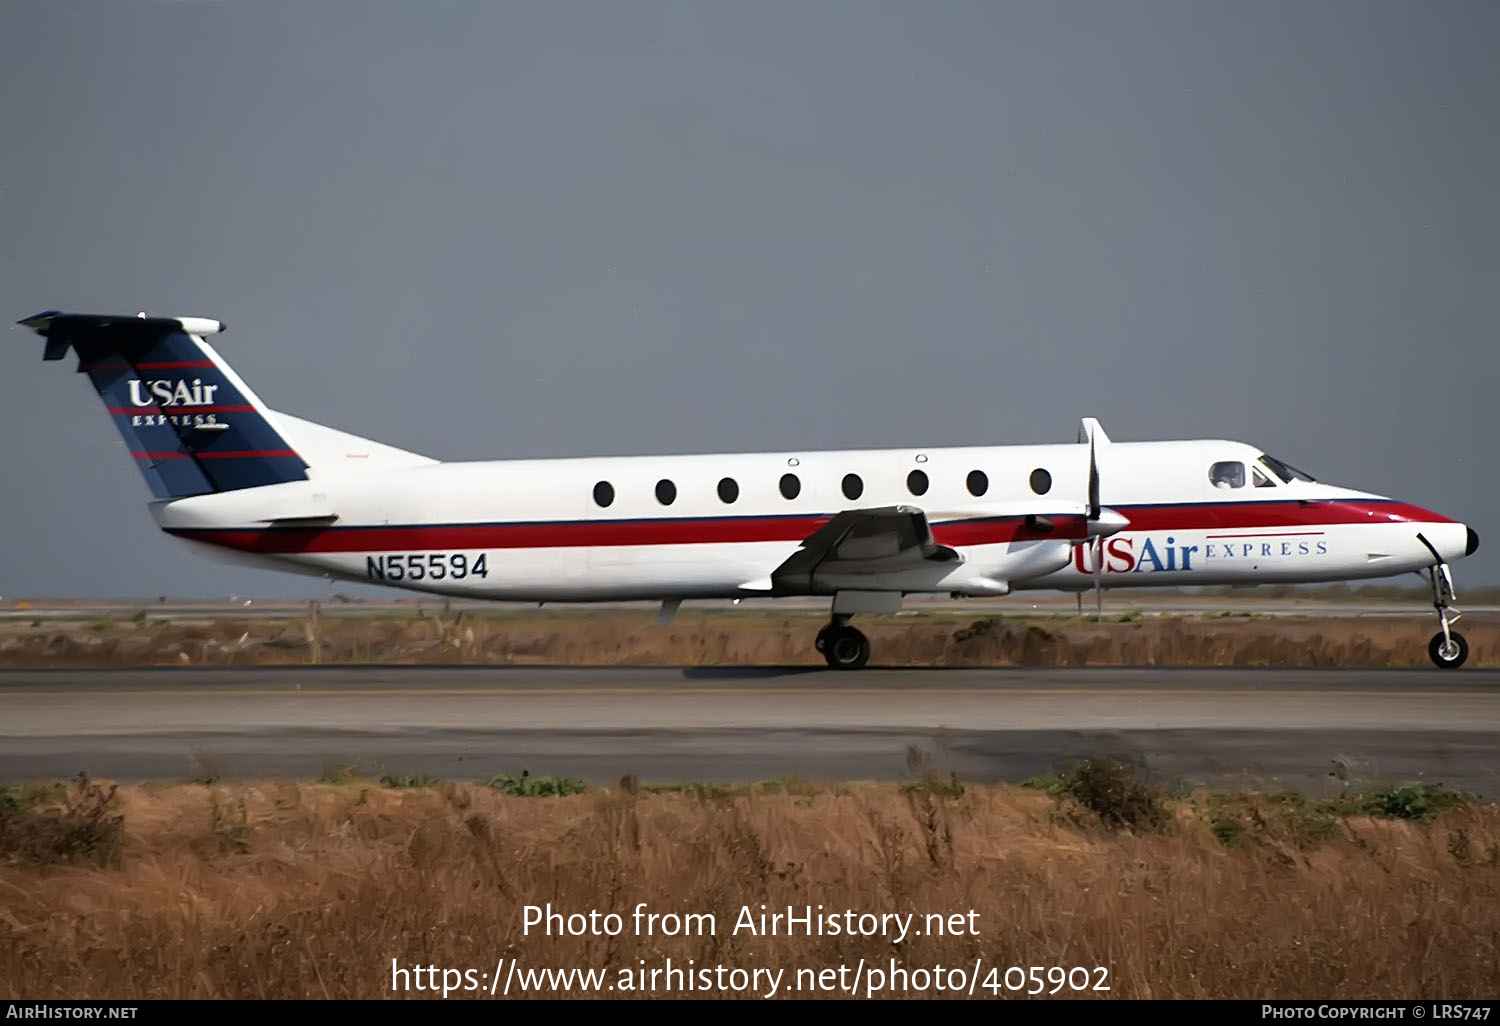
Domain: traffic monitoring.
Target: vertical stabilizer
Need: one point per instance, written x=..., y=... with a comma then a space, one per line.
x=192, y=426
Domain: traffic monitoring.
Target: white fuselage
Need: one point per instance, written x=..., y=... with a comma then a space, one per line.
x=533, y=530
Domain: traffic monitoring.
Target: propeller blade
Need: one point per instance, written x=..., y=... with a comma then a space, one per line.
x=1093, y=483
x=1096, y=545
x=1099, y=578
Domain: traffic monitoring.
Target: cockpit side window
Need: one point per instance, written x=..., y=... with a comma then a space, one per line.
x=1260, y=479
x=1285, y=471
x=1228, y=474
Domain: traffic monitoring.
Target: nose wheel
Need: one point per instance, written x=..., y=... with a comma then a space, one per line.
x=1449, y=652
x=1448, y=649
x=843, y=647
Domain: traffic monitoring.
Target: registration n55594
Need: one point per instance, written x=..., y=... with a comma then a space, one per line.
x=426, y=566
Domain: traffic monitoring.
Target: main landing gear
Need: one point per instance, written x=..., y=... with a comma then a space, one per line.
x=844, y=647
x=1448, y=648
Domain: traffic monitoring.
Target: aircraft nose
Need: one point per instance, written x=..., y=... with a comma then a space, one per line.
x=1471, y=544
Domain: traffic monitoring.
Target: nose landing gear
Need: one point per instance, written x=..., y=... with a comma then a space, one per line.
x=1448, y=649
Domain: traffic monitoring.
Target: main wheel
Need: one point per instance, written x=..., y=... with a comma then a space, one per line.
x=846, y=649
x=1448, y=653
x=821, y=641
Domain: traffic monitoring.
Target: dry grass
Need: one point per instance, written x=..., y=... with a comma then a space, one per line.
x=302, y=890
x=745, y=639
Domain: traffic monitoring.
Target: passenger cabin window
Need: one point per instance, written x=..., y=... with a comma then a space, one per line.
x=1041, y=481
x=728, y=490
x=666, y=492
x=978, y=483
x=790, y=486
x=1260, y=479
x=916, y=483
x=1229, y=474
x=604, y=493
x=853, y=486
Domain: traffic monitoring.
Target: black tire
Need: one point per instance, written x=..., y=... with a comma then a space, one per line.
x=1454, y=659
x=847, y=649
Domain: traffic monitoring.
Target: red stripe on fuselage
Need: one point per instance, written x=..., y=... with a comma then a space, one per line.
x=1294, y=514
x=416, y=538
x=596, y=533
x=728, y=530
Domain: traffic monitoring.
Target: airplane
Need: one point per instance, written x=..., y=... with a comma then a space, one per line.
x=242, y=482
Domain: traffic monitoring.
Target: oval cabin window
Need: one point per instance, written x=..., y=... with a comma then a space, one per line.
x=916, y=483
x=790, y=486
x=1228, y=474
x=853, y=486
x=604, y=493
x=728, y=490
x=666, y=492
x=978, y=482
x=1041, y=481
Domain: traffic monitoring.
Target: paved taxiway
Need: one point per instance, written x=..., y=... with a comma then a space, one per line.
x=736, y=724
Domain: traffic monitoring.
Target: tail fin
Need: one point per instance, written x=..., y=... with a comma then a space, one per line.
x=192, y=425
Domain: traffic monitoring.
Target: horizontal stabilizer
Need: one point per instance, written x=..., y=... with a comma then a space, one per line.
x=62, y=329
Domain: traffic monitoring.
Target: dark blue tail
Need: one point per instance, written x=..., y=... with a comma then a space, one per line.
x=192, y=425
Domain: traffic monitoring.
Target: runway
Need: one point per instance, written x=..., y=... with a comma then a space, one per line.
x=1297, y=728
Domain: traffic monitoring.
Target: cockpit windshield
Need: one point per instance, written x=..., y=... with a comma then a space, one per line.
x=1285, y=471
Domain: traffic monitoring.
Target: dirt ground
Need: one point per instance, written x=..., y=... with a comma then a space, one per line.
x=629, y=637
x=297, y=890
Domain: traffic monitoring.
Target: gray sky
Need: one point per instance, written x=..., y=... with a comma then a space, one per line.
x=554, y=229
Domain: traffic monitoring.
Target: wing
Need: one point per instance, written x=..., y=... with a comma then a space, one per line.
x=887, y=540
x=896, y=548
